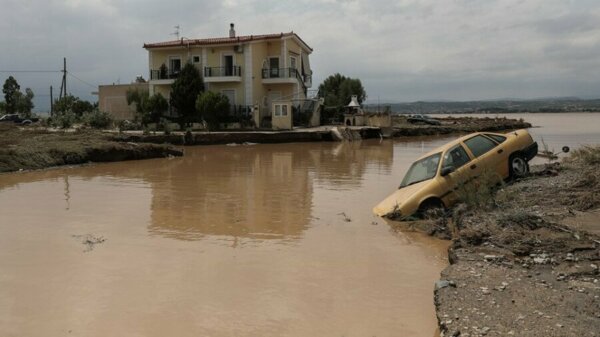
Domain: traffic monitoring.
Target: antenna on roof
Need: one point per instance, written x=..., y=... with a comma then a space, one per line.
x=176, y=32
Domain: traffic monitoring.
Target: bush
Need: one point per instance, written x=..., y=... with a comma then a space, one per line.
x=98, y=120
x=63, y=120
x=479, y=193
x=589, y=155
x=213, y=107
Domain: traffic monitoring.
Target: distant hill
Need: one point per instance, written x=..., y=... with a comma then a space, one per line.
x=560, y=104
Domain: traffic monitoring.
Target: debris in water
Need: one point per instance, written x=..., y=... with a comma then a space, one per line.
x=346, y=218
x=90, y=241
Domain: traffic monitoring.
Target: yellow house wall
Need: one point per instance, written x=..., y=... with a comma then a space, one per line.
x=259, y=54
x=238, y=87
x=112, y=99
x=215, y=54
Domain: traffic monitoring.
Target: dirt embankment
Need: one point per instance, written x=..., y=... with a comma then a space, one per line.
x=449, y=125
x=529, y=264
x=30, y=148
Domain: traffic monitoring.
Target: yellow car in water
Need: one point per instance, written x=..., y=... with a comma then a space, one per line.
x=432, y=181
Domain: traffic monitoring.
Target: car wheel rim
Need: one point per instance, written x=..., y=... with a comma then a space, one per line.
x=519, y=166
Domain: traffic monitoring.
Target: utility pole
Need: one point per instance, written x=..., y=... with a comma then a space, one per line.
x=51, y=102
x=63, y=85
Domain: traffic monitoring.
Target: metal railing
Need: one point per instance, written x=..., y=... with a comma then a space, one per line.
x=280, y=73
x=164, y=74
x=222, y=71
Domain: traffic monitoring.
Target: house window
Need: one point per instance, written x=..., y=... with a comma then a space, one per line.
x=196, y=59
x=281, y=110
x=293, y=62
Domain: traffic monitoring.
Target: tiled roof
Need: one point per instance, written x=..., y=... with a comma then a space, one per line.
x=220, y=40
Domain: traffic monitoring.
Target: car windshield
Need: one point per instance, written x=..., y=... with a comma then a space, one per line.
x=422, y=170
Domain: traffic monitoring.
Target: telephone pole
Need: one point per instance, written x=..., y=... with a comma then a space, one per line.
x=51, y=102
x=63, y=85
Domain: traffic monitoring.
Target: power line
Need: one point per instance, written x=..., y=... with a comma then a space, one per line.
x=82, y=81
x=30, y=71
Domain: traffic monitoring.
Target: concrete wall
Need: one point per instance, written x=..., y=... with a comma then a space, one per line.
x=113, y=99
x=381, y=119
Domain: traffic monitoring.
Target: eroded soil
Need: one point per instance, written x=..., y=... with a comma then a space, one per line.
x=529, y=264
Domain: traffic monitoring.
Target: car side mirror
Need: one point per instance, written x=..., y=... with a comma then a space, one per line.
x=447, y=170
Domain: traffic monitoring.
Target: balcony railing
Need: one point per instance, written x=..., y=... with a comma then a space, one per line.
x=223, y=71
x=280, y=73
x=164, y=74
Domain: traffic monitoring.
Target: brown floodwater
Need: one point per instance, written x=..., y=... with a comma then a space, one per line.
x=258, y=240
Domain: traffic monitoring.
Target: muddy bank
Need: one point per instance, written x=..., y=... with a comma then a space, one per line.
x=30, y=148
x=528, y=264
x=451, y=125
x=401, y=128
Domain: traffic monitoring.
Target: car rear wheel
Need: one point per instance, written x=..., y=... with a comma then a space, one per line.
x=517, y=166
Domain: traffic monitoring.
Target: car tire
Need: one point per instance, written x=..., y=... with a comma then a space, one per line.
x=517, y=166
x=430, y=205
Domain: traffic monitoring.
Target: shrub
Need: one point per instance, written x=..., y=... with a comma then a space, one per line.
x=479, y=193
x=98, y=119
x=63, y=120
x=589, y=155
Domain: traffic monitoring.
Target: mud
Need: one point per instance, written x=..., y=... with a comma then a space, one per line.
x=529, y=266
x=32, y=148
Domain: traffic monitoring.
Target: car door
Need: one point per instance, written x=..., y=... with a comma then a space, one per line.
x=460, y=163
x=488, y=156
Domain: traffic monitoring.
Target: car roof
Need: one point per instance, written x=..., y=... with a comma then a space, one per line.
x=456, y=141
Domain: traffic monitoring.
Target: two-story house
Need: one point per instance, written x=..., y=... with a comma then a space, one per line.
x=251, y=70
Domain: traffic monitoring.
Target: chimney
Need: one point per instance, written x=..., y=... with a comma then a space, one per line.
x=231, y=30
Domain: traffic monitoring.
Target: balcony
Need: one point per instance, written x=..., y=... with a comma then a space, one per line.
x=222, y=74
x=282, y=75
x=164, y=75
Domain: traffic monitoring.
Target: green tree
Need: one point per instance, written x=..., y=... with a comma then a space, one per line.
x=25, y=103
x=11, y=90
x=2, y=107
x=148, y=109
x=213, y=108
x=156, y=107
x=184, y=93
x=140, y=99
x=337, y=90
x=73, y=104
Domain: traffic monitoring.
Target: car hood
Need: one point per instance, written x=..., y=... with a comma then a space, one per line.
x=396, y=199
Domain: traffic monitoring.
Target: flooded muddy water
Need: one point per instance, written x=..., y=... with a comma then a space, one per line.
x=261, y=240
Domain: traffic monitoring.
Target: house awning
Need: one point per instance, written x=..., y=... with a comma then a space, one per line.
x=306, y=65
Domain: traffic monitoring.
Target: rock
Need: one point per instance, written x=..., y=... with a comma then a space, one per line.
x=443, y=284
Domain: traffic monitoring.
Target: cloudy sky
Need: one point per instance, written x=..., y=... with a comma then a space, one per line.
x=402, y=50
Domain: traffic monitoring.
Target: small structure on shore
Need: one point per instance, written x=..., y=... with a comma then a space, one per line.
x=355, y=116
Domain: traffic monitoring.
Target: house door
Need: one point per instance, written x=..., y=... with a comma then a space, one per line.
x=274, y=67
x=228, y=64
x=175, y=65
x=272, y=97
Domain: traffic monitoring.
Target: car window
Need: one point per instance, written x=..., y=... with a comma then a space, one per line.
x=499, y=139
x=421, y=170
x=456, y=157
x=479, y=145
